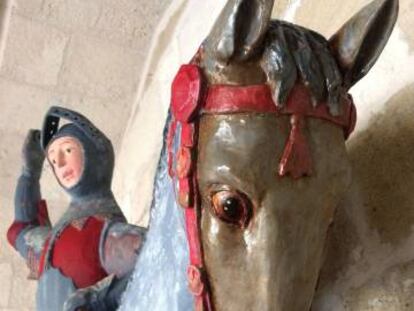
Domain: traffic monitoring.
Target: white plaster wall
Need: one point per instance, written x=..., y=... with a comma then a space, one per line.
x=5, y=13
x=179, y=34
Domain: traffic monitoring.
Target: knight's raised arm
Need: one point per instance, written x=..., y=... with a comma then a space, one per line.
x=31, y=225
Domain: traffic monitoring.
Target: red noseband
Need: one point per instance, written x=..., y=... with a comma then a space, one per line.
x=191, y=97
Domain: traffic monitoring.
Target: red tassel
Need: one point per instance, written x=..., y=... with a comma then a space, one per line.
x=296, y=159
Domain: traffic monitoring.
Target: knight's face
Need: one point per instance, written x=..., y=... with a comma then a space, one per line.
x=65, y=154
x=262, y=234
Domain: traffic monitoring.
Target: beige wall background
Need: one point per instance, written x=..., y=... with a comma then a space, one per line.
x=114, y=61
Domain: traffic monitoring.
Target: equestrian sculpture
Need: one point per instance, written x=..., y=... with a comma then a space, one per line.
x=254, y=162
x=85, y=259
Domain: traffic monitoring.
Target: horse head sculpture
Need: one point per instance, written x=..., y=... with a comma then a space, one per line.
x=256, y=151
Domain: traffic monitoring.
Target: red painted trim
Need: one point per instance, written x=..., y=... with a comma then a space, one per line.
x=187, y=135
x=33, y=264
x=185, y=192
x=18, y=226
x=43, y=256
x=299, y=103
x=352, y=116
x=184, y=161
x=14, y=231
x=170, y=140
x=195, y=282
x=296, y=159
x=43, y=214
x=186, y=93
x=191, y=222
x=229, y=98
x=223, y=99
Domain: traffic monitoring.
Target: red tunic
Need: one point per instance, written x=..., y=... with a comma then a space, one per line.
x=76, y=253
x=86, y=251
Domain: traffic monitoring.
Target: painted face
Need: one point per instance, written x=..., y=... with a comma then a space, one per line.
x=65, y=154
x=262, y=234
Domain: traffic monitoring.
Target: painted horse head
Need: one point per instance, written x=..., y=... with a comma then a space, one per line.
x=257, y=152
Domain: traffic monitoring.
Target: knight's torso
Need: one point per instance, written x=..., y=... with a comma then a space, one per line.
x=73, y=262
x=76, y=252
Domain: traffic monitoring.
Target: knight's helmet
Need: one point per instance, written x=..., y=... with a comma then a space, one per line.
x=98, y=151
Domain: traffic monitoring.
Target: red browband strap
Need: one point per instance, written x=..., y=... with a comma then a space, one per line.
x=222, y=99
x=190, y=98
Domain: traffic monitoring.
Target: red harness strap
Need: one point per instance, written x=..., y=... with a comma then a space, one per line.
x=223, y=99
x=187, y=95
x=296, y=158
x=190, y=98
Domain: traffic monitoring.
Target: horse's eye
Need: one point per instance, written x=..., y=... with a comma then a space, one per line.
x=231, y=207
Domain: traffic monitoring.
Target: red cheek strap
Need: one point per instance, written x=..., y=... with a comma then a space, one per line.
x=186, y=101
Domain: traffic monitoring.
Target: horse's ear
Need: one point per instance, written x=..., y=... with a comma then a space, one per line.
x=239, y=30
x=359, y=43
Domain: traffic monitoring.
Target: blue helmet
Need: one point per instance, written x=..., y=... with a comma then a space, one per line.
x=98, y=150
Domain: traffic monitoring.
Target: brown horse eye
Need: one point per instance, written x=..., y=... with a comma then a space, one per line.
x=231, y=207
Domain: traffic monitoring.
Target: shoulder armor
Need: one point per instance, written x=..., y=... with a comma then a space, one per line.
x=119, y=247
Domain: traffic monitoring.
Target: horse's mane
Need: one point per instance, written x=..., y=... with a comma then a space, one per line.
x=295, y=54
x=159, y=281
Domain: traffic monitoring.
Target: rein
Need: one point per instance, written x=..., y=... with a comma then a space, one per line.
x=191, y=97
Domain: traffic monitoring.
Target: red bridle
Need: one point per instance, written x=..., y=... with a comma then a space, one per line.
x=192, y=97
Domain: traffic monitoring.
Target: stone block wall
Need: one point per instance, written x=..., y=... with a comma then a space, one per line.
x=85, y=55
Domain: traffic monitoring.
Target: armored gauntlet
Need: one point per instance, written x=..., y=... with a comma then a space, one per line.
x=33, y=155
x=27, y=196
